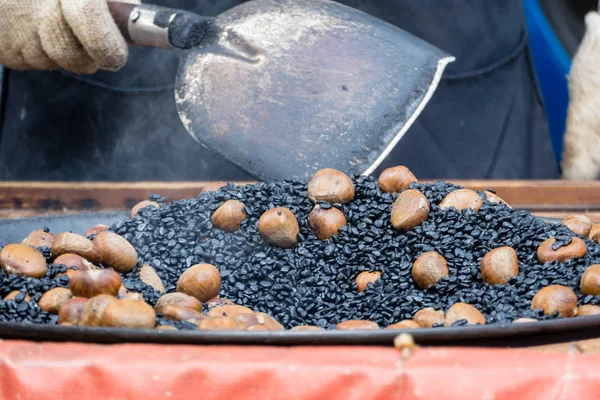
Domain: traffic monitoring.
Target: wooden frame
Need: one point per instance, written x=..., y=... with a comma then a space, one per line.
x=552, y=198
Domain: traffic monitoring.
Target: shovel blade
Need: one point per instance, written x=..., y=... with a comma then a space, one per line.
x=293, y=86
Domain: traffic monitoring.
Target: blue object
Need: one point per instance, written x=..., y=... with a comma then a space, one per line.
x=552, y=65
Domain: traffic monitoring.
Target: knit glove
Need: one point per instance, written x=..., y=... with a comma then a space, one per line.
x=581, y=154
x=77, y=35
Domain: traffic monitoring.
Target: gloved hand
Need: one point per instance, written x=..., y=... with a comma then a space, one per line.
x=77, y=35
x=581, y=154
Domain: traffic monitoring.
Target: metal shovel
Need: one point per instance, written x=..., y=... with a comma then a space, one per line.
x=283, y=88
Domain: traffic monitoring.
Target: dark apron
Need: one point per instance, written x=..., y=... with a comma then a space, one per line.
x=485, y=121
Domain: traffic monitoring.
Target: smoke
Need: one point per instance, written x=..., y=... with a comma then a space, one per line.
x=114, y=126
x=149, y=140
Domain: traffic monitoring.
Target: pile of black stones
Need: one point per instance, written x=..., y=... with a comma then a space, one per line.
x=314, y=283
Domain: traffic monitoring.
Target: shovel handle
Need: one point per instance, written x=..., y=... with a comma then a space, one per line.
x=161, y=27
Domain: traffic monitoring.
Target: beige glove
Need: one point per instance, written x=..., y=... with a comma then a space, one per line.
x=581, y=154
x=77, y=35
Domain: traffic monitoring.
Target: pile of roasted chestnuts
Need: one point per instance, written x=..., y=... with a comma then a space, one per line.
x=336, y=252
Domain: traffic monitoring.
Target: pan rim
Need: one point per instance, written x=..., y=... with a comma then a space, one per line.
x=540, y=332
x=498, y=335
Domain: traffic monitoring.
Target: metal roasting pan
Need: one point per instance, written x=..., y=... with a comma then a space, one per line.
x=498, y=335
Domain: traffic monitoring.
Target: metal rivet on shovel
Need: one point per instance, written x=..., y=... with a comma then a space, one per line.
x=135, y=15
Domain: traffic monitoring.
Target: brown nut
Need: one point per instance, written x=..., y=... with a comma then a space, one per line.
x=428, y=317
x=20, y=259
x=229, y=311
x=588, y=309
x=268, y=322
x=177, y=313
x=306, y=328
x=326, y=223
x=165, y=328
x=88, y=266
x=178, y=299
x=406, y=324
x=70, y=273
x=149, y=276
x=220, y=324
x=115, y=252
x=39, y=238
x=142, y=204
x=54, y=298
x=257, y=328
x=460, y=311
x=128, y=314
x=524, y=320
x=229, y=216
x=590, y=280
x=428, y=269
x=213, y=186
x=219, y=302
x=356, y=325
x=555, y=298
x=94, y=230
x=462, y=199
x=122, y=292
x=594, y=234
x=12, y=296
x=74, y=260
x=279, y=227
x=95, y=282
x=396, y=179
x=67, y=242
x=70, y=311
x=94, y=310
x=493, y=198
x=575, y=249
x=201, y=281
x=578, y=224
x=366, y=277
x=127, y=294
x=249, y=320
x=409, y=210
x=332, y=186
x=499, y=265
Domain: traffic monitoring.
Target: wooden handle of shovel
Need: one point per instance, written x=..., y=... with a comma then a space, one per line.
x=120, y=13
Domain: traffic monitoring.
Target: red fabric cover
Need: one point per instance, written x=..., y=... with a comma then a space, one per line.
x=137, y=371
